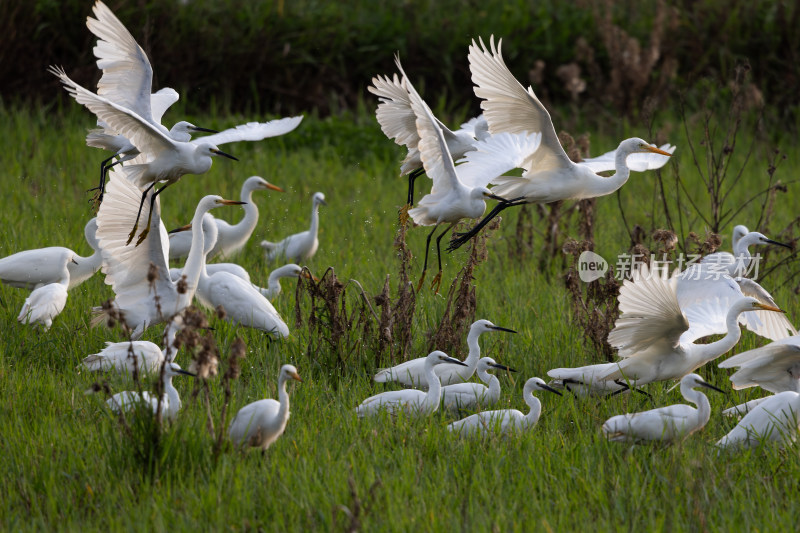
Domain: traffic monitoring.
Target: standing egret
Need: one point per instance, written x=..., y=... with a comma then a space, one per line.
x=549, y=174
x=231, y=238
x=30, y=269
x=412, y=401
x=286, y=271
x=412, y=373
x=260, y=423
x=776, y=419
x=738, y=263
x=450, y=200
x=665, y=423
x=145, y=294
x=655, y=333
x=398, y=122
x=302, y=246
x=170, y=400
x=44, y=304
x=505, y=420
x=130, y=356
x=774, y=367
x=470, y=395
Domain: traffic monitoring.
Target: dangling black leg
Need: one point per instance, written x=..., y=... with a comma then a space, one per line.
x=97, y=199
x=425, y=263
x=146, y=230
x=438, y=279
x=411, y=178
x=460, y=238
x=139, y=214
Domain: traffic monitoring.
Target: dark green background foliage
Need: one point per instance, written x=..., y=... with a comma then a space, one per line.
x=281, y=57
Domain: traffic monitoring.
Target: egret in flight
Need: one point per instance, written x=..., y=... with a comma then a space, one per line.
x=549, y=174
x=302, y=246
x=44, y=304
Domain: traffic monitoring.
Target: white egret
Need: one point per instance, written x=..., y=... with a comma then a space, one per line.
x=398, y=122
x=470, y=395
x=170, y=400
x=140, y=356
x=413, y=373
x=412, y=401
x=260, y=423
x=666, y=424
x=776, y=419
x=549, y=174
x=505, y=420
x=655, y=331
x=738, y=263
x=231, y=238
x=449, y=200
x=286, y=271
x=582, y=381
x=143, y=302
x=30, y=269
x=44, y=304
x=301, y=246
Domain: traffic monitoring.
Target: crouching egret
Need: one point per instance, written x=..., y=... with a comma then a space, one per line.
x=738, y=263
x=231, y=238
x=44, y=304
x=505, y=420
x=549, y=174
x=470, y=395
x=665, y=423
x=412, y=373
x=776, y=419
x=260, y=423
x=413, y=402
x=170, y=400
x=301, y=246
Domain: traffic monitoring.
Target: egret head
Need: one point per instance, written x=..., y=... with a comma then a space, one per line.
x=319, y=199
x=694, y=380
x=754, y=237
x=257, y=182
x=534, y=384
x=482, y=326
x=174, y=369
x=289, y=372
x=637, y=145
x=437, y=357
x=213, y=150
x=487, y=363
x=751, y=304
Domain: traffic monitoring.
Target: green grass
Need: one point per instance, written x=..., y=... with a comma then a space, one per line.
x=65, y=464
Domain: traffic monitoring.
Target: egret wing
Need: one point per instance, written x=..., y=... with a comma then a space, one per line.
x=638, y=162
x=770, y=367
x=769, y=324
x=498, y=154
x=161, y=101
x=252, y=131
x=508, y=107
x=394, y=113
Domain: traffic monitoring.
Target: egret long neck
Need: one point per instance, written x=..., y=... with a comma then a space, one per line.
x=248, y=223
x=536, y=409
x=196, y=260
x=86, y=266
x=173, y=403
x=708, y=352
x=314, y=219
x=494, y=387
x=601, y=186
x=434, y=395
x=283, y=400
x=702, y=403
x=474, y=350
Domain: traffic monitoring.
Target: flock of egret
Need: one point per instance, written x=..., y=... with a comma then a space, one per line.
x=662, y=316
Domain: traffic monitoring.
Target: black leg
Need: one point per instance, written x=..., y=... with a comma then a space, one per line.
x=139, y=214
x=425, y=263
x=438, y=279
x=460, y=238
x=146, y=229
x=411, y=178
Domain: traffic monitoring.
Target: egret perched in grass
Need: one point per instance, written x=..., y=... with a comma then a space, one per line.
x=470, y=395
x=231, y=238
x=260, y=423
x=505, y=420
x=776, y=419
x=302, y=246
x=286, y=271
x=398, y=122
x=738, y=263
x=655, y=333
x=549, y=174
x=414, y=402
x=140, y=356
x=170, y=400
x=30, y=269
x=667, y=424
x=450, y=200
x=139, y=276
x=44, y=304
x=413, y=373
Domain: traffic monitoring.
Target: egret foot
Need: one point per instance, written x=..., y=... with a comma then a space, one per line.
x=132, y=234
x=142, y=236
x=437, y=281
x=421, y=281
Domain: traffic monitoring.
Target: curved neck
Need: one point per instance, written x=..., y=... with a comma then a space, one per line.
x=283, y=399
x=702, y=403
x=273, y=285
x=195, y=265
x=474, y=349
x=248, y=223
x=314, y=218
x=494, y=387
x=173, y=400
x=708, y=352
x=536, y=409
x=601, y=186
x=434, y=395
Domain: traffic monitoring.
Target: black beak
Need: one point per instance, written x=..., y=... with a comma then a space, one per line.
x=205, y=130
x=550, y=389
x=73, y=260
x=502, y=367
x=455, y=361
x=776, y=243
x=220, y=152
x=710, y=386
x=186, y=373
x=187, y=227
x=498, y=328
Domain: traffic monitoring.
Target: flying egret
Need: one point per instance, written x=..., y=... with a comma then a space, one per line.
x=505, y=420
x=413, y=373
x=774, y=367
x=398, y=122
x=230, y=238
x=260, y=423
x=470, y=395
x=143, y=302
x=170, y=400
x=141, y=356
x=549, y=174
x=655, y=332
x=412, y=401
x=738, y=263
x=665, y=423
x=30, y=269
x=450, y=200
x=582, y=381
x=302, y=246
x=776, y=419
x=44, y=304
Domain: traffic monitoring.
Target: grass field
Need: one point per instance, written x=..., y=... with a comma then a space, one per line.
x=66, y=465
